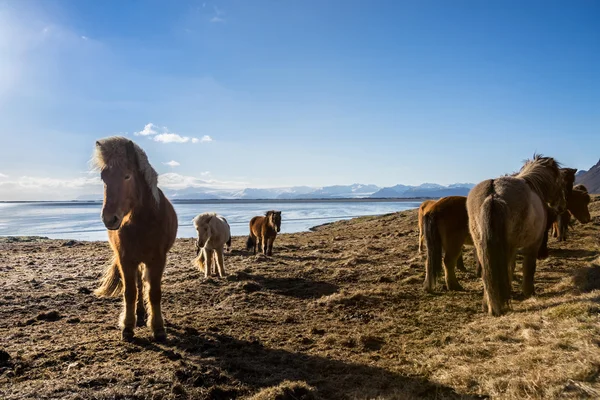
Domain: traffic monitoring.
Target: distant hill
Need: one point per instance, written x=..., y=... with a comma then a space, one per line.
x=425, y=190
x=590, y=178
x=354, y=191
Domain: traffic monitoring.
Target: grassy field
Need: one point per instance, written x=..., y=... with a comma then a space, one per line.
x=338, y=313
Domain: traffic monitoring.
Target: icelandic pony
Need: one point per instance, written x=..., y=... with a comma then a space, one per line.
x=445, y=226
x=422, y=209
x=568, y=175
x=509, y=213
x=577, y=206
x=263, y=231
x=213, y=234
x=142, y=226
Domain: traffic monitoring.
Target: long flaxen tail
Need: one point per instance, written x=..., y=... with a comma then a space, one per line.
x=111, y=284
x=496, y=275
x=433, y=240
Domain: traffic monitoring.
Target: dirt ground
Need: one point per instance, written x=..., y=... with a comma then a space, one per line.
x=338, y=313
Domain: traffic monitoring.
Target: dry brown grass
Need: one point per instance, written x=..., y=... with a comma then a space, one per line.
x=335, y=313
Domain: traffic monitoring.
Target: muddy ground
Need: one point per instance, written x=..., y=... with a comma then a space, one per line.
x=338, y=313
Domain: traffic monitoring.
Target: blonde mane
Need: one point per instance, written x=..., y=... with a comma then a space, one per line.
x=543, y=176
x=112, y=152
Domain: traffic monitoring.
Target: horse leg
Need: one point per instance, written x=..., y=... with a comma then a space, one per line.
x=270, y=242
x=208, y=259
x=140, y=311
x=127, y=320
x=460, y=263
x=154, y=272
x=450, y=259
x=265, y=246
x=220, y=262
x=529, y=266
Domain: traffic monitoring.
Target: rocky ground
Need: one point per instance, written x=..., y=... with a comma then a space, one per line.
x=335, y=313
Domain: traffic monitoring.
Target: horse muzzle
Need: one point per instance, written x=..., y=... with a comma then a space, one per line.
x=112, y=222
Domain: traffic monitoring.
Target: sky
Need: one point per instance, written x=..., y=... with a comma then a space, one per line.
x=266, y=93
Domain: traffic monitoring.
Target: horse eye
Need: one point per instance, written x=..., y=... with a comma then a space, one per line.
x=127, y=177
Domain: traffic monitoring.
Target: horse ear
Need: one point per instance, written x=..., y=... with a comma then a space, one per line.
x=98, y=145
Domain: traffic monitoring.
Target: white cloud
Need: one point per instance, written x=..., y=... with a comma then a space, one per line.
x=205, y=173
x=149, y=130
x=3, y=175
x=174, y=181
x=217, y=19
x=40, y=188
x=163, y=135
x=172, y=163
x=171, y=138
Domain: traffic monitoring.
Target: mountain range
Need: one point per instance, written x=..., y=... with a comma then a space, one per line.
x=590, y=178
x=354, y=191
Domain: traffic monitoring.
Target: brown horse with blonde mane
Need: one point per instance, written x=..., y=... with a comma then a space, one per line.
x=507, y=214
x=142, y=226
x=445, y=226
x=263, y=231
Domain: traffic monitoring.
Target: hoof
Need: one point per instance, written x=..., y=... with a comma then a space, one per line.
x=160, y=335
x=127, y=335
x=456, y=288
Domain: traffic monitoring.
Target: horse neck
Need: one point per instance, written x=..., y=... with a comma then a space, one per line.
x=144, y=205
x=541, y=184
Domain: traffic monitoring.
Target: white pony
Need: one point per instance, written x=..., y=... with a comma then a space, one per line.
x=213, y=233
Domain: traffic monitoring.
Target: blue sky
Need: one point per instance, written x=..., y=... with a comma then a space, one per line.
x=282, y=93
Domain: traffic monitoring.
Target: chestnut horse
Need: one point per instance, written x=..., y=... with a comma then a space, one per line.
x=142, y=226
x=507, y=214
x=263, y=231
x=577, y=205
x=445, y=226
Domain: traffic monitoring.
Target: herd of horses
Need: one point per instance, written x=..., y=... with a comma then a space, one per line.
x=499, y=217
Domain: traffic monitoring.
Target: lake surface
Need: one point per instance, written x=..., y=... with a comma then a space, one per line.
x=81, y=220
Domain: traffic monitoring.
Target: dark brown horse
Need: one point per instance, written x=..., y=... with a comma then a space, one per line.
x=577, y=206
x=142, y=226
x=263, y=231
x=445, y=226
x=562, y=220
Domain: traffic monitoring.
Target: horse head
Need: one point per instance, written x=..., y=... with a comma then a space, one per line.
x=274, y=218
x=578, y=205
x=121, y=179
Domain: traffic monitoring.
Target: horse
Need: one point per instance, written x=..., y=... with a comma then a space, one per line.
x=577, y=206
x=507, y=214
x=445, y=226
x=263, y=231
x=142, y=226
x=213, y=234
x=563, y=218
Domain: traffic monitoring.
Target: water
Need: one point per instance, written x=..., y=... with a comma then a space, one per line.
x=81, y=220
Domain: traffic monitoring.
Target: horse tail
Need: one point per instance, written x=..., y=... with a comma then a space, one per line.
x=228, y=243
x=433, y=240
x=250, y=242
x=111, y=283
x=496, y=275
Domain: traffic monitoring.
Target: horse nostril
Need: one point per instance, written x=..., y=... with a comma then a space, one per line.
x=115, y=219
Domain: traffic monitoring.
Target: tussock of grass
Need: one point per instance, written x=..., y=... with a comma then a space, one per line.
x=286, y=390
